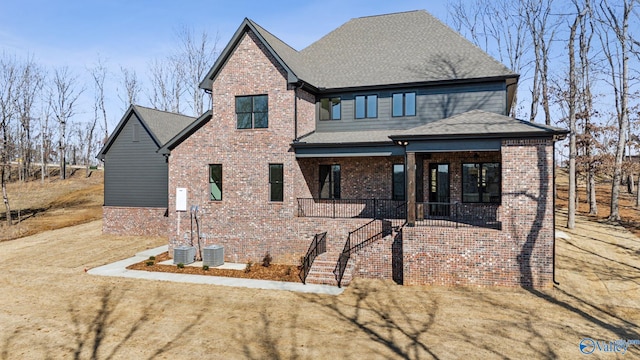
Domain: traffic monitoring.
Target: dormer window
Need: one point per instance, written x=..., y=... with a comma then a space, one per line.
x=252, y=112
x=330, y=108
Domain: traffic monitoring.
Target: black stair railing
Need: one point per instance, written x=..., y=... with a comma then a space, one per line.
x=358, y=239
x=317, y=247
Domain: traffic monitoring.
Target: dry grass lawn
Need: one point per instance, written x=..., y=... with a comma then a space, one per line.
x=50, y=308
x=54, y=204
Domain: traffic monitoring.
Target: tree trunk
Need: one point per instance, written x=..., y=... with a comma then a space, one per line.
x=5, y=197
x=593, y=204
x=571, y=212
x=63, y=167
x=638, y=193
x=623, y=115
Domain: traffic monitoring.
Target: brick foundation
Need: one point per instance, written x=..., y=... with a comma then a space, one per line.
x=134, y=221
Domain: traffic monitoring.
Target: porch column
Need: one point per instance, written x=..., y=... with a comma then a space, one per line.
x=411, y=188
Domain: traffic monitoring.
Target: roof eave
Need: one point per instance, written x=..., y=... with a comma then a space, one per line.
x=522, y=134
x=419, y=83
x=185, y=133
x=330, y=145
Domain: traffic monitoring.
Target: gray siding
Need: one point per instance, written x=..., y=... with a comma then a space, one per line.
x=432, y=103
x=135, y=175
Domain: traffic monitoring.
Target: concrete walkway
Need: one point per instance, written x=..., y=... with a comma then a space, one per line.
x=119, y=269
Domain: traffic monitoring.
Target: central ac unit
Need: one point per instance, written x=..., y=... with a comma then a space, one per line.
x=213, y=255
x=184, y=254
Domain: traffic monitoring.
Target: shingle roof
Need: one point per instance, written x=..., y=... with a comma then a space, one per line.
x=389, y=49
x=164, y=125
x=471, y=124
x=478, y=122
x=396, y=48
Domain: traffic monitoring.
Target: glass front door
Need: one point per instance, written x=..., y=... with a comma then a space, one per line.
x=439, y=190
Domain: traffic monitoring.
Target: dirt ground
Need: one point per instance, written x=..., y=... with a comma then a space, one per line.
x=50, y=308
x=53, y=204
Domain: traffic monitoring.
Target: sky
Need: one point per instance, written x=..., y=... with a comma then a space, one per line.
x=130, y=34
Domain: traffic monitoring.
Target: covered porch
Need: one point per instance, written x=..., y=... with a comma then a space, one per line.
x=417, y=183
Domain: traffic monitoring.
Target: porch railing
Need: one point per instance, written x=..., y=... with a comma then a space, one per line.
x=317, y=247
x=458, y=215
x=352, y=208
x=358, y=239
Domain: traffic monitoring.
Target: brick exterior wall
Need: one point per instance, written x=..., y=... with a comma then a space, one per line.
x=248, y=225
x=518, y=255
x=245, y=222
x=138, y=221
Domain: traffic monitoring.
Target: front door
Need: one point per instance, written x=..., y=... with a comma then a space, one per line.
x=439, y=190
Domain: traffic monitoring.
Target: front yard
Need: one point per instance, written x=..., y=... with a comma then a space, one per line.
x=50, y=308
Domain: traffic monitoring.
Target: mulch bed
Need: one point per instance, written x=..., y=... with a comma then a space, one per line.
x=277, y=272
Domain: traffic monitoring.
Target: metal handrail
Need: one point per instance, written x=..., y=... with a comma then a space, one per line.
x=352, y=208
x=317, y=247
x=456, y=214
x=353, y=236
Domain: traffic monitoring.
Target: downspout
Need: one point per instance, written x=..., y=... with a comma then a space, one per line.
x=295, y=112
x=553, y=250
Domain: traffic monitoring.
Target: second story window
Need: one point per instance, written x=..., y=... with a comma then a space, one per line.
x=252, y=112
x=404, y=104
x=366, y=106
x=330, y=108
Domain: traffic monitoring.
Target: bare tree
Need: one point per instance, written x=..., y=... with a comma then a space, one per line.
x=63, y=98
x=8, y=83
x=99, y=73
x=45, y=144
x=537, y=14
x=585, y=112
x=497, y=27
x=29, y=88
x=166, y=84
x=131, y=87
x=86, y=136
x=581, y=11
x=195, y=56
x=615, y=23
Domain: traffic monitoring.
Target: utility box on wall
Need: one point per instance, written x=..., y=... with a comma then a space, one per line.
x=181, y=199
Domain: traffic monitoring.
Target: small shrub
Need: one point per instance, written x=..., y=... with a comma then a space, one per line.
x=152, y=258
x=205, y=267
x=288, y=272
x=266, y=260
x=180, y=266
x=248, y=267
x=150, y=262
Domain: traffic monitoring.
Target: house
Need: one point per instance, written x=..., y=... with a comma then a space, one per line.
x=136, y=175
x=387, y=142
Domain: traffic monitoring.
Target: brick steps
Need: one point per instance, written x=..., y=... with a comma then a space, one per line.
x=322, y=270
